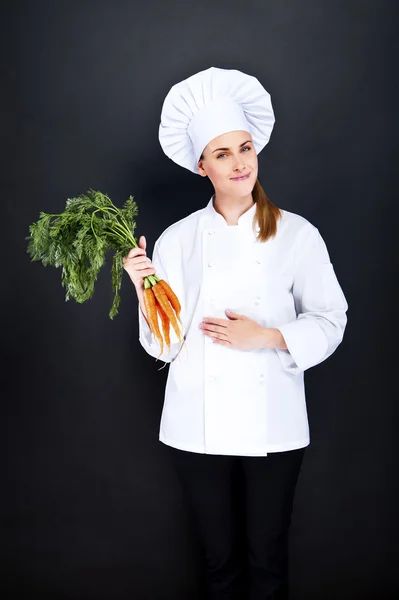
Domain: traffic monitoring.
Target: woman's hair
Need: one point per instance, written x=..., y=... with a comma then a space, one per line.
x=266, y=214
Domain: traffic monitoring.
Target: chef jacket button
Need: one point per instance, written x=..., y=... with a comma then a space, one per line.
x=257, y=300
x=212, y=377
x=211, y=232
x=211, y=264
x=261, y=378
x=258, y=261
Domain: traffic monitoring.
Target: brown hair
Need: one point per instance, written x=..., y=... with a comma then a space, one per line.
x=266, y=214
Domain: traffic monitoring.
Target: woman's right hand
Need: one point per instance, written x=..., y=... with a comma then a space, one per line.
x=137, y=264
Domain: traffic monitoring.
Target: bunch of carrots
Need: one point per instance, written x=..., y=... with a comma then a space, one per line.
x=160, y=299
x=78, y=240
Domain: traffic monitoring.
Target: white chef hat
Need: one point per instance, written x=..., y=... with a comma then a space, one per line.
x=208, y=104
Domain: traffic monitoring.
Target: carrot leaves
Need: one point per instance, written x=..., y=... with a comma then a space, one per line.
x=78, y=240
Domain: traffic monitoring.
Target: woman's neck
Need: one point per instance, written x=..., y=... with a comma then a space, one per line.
x=230, y=208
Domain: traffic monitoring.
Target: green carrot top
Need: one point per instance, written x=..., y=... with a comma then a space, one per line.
x=79, y=238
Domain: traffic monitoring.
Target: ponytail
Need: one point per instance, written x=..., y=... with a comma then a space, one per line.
x=266, y=214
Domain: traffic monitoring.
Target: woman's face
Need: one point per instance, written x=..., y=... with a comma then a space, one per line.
x=227, y=157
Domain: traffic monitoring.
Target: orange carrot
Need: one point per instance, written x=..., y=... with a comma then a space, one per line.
x=171, y=296
x=165, y=325
x=163, y=300
x=152, y=316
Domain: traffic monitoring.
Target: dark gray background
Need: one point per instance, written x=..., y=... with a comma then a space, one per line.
x=91, y=508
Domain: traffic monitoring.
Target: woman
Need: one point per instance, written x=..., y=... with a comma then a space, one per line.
x=260, y=305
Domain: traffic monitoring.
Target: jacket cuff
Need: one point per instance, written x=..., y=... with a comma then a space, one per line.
x=306, y=345
x=145, y=334
x=150, y=343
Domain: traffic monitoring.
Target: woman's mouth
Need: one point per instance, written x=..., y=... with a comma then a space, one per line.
x=242, y=178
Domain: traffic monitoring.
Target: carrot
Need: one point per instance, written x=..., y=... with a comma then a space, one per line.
x=152, y=316
x=165, y=324
x=171, y=297
x=163, y=300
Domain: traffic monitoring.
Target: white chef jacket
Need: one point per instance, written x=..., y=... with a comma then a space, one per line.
x=220, y=400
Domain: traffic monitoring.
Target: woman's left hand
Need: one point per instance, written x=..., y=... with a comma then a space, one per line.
x=237, y=331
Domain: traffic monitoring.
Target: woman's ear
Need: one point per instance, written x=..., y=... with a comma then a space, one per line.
x=201, y=169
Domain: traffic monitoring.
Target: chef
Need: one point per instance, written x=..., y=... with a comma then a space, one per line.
x=261, y=304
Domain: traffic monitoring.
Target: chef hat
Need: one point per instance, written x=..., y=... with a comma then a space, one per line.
x=208, y=104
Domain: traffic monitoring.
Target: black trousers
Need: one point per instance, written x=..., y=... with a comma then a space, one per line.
x=241, y=508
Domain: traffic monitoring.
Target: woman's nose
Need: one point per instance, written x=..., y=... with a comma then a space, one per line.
x=238, y=163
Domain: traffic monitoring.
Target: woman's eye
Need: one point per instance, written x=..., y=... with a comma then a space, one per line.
x=224, y=154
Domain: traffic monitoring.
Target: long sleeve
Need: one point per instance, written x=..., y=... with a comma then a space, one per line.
x=320, y=306
x=146, y=337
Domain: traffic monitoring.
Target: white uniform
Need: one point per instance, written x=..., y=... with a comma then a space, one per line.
x=234, y=402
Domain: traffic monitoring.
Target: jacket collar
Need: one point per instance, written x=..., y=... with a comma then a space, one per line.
x=217, y=220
